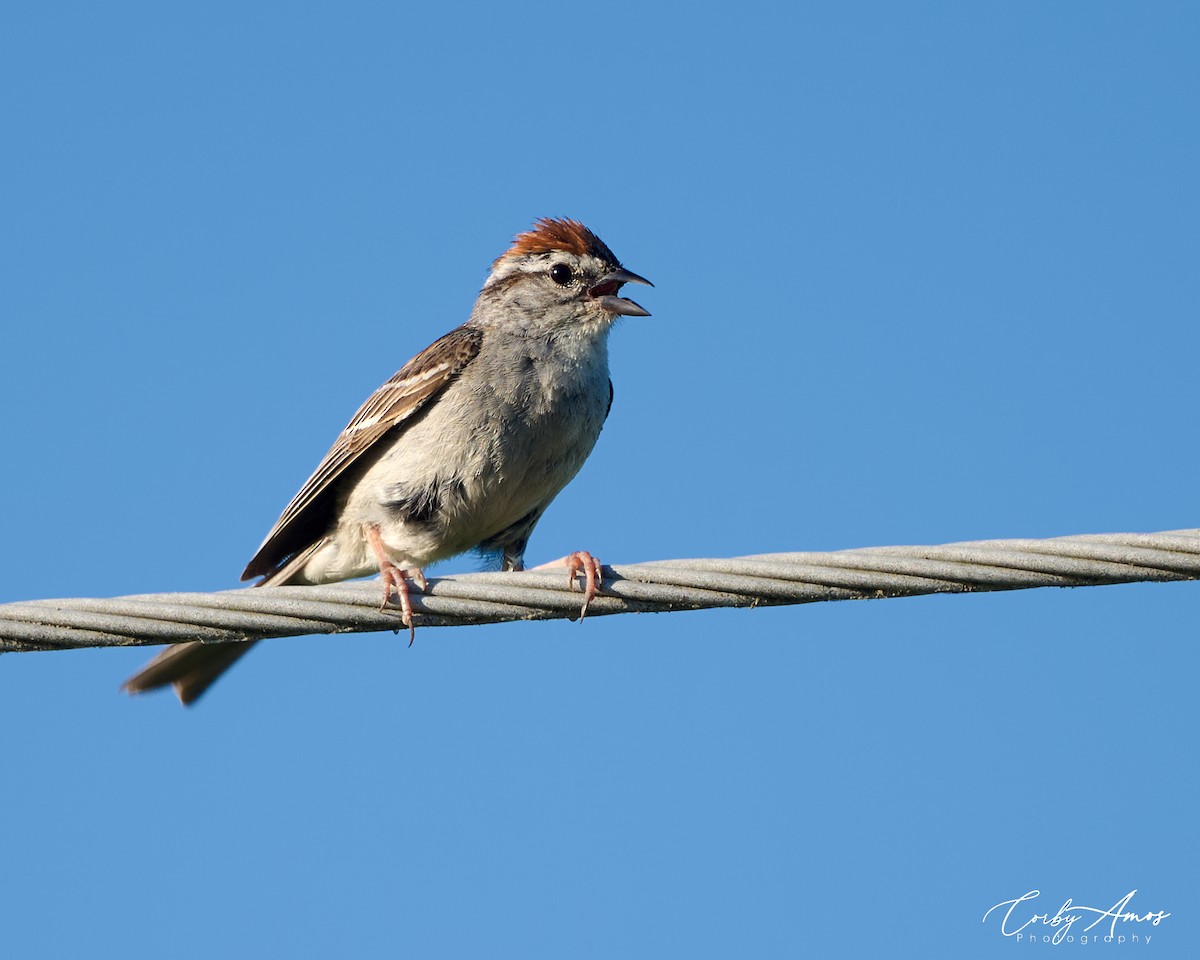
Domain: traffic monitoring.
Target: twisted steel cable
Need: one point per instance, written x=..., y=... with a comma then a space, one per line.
x=660, y=586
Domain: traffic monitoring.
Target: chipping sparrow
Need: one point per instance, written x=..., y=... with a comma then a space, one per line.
x=463, y=448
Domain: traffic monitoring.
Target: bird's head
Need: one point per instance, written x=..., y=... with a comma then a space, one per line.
x=556, y=275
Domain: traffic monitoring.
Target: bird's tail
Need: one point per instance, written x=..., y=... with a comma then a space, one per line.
x=192, y=667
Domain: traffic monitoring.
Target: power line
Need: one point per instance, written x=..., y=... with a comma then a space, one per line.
x=659, y=587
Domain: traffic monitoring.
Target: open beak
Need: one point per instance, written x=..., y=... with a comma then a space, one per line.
x=605, y=293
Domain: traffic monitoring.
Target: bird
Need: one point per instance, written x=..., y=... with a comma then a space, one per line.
x=462, y=449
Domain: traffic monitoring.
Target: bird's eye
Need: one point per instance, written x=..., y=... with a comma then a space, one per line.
x=561, y=274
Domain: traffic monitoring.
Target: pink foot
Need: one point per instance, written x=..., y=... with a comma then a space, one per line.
x=575, y=562
x=396, y=579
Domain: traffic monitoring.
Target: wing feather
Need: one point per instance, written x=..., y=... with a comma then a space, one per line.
x=310, y=514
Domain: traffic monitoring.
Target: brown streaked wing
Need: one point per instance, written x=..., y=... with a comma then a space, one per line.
x=310, y=513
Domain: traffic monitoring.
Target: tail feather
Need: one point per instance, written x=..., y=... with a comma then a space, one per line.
x=192, y=667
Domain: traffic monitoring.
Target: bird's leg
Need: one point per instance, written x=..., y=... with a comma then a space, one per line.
x=395, y=579
x=575, y=562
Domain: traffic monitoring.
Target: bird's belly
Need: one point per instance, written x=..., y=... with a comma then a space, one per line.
x=457, y=480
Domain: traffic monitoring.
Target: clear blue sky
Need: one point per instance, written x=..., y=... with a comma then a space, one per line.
x=924, y=273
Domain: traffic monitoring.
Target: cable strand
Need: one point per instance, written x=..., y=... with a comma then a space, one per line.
x=655, y=586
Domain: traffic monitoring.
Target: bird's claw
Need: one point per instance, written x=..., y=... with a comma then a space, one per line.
x=396, y=579
x=402, y=582
x=580, y=562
